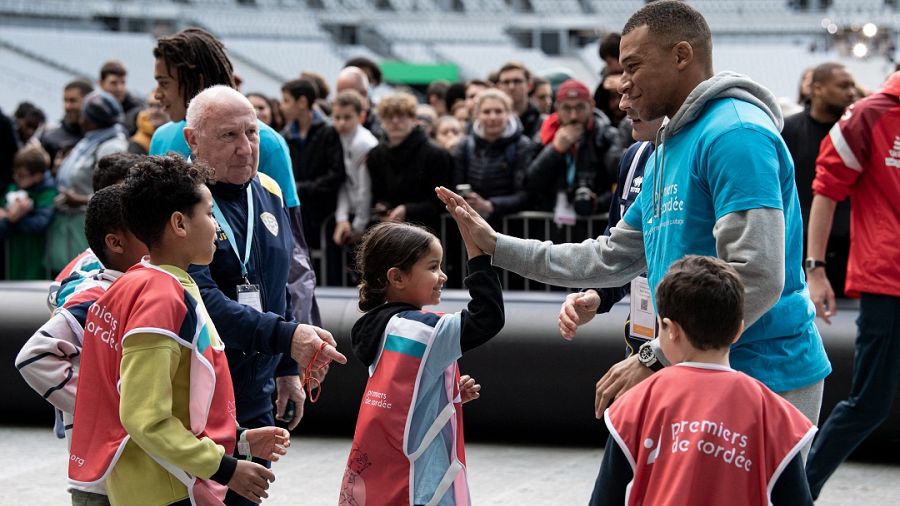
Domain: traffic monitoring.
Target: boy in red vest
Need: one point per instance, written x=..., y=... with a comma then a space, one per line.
x=155, y=412
x=701, y=432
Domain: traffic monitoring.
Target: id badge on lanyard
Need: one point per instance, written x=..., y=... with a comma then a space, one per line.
x=248, y=294
x=643, y=317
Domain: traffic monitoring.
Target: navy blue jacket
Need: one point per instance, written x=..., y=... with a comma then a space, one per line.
x=620, y=203
x=254, y=341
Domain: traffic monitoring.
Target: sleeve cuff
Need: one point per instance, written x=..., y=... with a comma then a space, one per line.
x=226, y=470
x=480, y=263
x=284, y=334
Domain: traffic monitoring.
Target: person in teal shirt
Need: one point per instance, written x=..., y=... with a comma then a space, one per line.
x=720, y=183
x=180, y=75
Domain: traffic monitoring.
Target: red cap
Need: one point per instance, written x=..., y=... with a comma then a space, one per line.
x=573, y=90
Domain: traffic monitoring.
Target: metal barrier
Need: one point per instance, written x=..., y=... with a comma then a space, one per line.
x=527, y=224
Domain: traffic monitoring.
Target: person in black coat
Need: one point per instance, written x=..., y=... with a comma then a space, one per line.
x=316, y=156
x=406, y=167
x=493, y=158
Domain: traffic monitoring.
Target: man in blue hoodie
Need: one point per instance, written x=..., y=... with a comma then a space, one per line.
x=720, y=183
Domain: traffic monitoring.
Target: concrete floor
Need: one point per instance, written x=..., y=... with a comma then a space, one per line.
x=35, y=467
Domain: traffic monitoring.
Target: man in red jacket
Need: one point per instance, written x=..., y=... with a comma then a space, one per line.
x=860, y=158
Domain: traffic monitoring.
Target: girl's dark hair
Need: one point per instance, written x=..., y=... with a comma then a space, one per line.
x=198, y=58
x=383, y=247
x=157, y=187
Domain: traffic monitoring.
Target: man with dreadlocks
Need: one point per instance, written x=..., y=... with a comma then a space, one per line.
x=187, y=63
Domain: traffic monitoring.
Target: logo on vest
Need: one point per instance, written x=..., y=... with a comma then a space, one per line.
x=715, y=440
x=270, y=222
x=376, y=399
x=77, y=460
x=893, y=159
x=103, y=327
x=636, y=184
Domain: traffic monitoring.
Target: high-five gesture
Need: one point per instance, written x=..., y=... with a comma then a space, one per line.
x=470, y=223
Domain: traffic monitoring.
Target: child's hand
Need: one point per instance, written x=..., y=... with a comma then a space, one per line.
x=268, y=443
x=468, y=389
x=251, y=480
x=478, y=235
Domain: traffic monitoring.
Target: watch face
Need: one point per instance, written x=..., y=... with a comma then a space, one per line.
x=645, y=354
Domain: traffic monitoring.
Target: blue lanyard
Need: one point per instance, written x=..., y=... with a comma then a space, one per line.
x=228, y=232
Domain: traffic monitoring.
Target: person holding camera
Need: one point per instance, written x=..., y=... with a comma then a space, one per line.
x=574, y=173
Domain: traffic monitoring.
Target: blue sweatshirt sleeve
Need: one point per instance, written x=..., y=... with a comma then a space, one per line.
x=242, y=327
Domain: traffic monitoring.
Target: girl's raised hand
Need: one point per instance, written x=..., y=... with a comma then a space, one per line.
x=478, y=235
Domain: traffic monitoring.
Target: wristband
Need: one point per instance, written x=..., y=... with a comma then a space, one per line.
x=243, y=447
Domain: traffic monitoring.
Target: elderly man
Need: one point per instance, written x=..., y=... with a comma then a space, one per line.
x=244, y=288
x=747, y=214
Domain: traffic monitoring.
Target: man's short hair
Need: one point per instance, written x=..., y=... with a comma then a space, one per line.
x=705, y=296
x=112, y=68
x=514, y=65
x=157, y=187
x=609, y=46
x=438, y=89
x=199, y=106
x=32, y=158
x=349, y=98
x=301, y=88
x=673, y=21
x=322, y=88
x=372, y=70
x=825, y=72
x=81, y=85
x=397, y=104
x=113, y=168
x=104, y=216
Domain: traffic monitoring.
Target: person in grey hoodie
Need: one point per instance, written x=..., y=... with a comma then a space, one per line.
x=720, y=183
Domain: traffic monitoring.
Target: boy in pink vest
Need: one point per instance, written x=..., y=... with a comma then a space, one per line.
x=155, y=411
x=701, y=432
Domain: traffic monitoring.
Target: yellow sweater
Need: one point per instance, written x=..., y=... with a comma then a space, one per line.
x=154, y=409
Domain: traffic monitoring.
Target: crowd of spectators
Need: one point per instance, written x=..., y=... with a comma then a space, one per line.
x=509, y=142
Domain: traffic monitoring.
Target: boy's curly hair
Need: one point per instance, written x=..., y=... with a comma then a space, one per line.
x=157, y=187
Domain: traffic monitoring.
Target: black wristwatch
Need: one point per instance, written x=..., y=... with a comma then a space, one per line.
x=647, y=356
x=812, y=263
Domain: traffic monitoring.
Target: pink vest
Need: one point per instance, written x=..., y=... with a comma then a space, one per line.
x=143, y=295
x=380, y=470
x=705, y=434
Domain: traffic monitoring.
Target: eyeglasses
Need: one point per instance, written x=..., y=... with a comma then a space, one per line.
x=511, y=82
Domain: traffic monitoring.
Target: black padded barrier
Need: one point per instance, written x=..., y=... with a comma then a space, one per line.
x=536, y=387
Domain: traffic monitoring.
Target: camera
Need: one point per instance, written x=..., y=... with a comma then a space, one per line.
x=583, y=199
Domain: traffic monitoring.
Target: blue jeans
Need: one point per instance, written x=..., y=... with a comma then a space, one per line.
x=876, y=371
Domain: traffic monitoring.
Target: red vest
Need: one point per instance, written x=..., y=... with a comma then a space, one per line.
x=381, y=467
x=147, y=299
x=703, y=434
